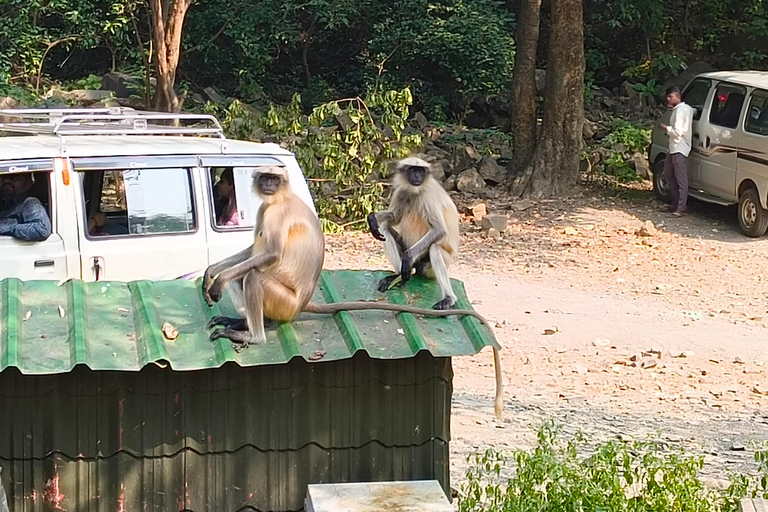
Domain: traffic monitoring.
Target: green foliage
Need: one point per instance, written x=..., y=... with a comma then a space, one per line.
x=640, y=476
x=91, y=82
x=343, y=146
x=614, y=152
x=632, y=136
x=466, y=44
x=22, y=95
x=30, y=28
x=649, y=89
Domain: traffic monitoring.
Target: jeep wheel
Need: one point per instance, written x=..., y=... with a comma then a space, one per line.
x=660, y=185
x=753, y=220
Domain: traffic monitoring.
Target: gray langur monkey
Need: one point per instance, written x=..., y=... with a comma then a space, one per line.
x=420, y=231
x=276, y=276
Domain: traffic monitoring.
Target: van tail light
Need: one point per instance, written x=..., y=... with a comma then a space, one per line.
x=62, y=164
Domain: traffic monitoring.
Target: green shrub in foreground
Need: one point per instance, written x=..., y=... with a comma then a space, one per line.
x=614, y=476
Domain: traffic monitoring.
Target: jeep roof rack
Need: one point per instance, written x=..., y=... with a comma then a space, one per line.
x=108, y=121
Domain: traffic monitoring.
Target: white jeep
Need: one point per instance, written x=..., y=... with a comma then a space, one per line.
x=130, y=194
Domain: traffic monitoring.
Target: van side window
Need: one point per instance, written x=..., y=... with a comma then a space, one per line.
x=757, y=113
x=138, y=202
x=726, y=105
x=695, y=95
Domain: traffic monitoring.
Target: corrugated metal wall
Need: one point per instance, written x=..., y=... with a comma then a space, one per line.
x=223, y=439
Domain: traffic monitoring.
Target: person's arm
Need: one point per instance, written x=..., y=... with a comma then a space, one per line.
x=35, y=226
x=680, y=125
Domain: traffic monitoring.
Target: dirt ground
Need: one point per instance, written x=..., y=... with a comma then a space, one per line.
x=664, y=334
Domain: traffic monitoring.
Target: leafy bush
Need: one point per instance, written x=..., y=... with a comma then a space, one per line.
x=632, y=136
x=615, y=151
x=614, y=476
x=343, y=146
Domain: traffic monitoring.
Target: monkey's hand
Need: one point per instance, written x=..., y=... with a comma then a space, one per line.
x=406, y=266
x=211, y=289
x=373, y=224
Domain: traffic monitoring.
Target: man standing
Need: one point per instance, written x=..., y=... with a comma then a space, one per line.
x=21, y=216
x=676, y=163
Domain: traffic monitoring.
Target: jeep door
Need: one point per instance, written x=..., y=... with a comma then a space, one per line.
x=753, y=144
x=138, y=218
x=718, y=142
x=30, y=260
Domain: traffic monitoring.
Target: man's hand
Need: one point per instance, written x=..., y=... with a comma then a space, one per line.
x=663, y=126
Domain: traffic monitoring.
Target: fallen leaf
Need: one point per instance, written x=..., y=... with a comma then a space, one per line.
x=170, y=332
x=26, y=316
x=61, y=312
x=548, y=332
x=318, y=354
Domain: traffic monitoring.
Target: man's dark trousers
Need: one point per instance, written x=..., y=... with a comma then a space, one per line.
x=676, y=175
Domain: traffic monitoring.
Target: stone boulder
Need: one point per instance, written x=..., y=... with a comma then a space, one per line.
x=469, y=181
x=491, y=171
x=640, y=164
x=122, y=84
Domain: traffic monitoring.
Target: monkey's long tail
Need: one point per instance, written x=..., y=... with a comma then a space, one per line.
x=329, y=309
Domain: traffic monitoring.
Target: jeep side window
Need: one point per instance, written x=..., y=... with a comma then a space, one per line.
x=757, y=113
x=695, y=95
x=234, y=205
x=25, y=199
x=224, y=198
x=726, y=105
x=139, y=202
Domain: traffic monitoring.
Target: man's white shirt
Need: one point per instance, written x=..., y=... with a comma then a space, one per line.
x=680, y=129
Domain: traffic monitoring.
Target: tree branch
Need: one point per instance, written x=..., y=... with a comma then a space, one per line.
x=212, y=39
x=45, y=53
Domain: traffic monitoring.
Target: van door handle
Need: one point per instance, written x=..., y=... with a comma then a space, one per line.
x=707, y=141
x=97, y=266
x=44, y=263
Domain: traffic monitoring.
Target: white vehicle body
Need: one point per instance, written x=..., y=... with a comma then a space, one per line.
x=153, y=185
x=728, y=163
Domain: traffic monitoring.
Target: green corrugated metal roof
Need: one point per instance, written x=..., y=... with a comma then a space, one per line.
x=47, y=328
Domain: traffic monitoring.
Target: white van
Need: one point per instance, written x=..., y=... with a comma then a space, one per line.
x=728, y=163
x=149, y=178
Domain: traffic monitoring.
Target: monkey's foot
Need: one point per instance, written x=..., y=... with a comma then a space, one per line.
x=421, y=268
x=386, y=283
x=446, y=303
x=242, y=338
x=238, y=324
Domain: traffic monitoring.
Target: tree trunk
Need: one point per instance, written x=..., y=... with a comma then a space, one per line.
x=167, y=22
x=524, y=85
x=554, y=169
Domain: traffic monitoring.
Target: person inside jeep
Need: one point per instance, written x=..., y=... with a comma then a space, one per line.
x=226, y=205
x=22, y=216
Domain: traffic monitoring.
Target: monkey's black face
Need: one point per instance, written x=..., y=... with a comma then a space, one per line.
x=416, y=175
x=268, y=184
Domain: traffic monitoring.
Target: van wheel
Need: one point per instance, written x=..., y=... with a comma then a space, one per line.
x=753, y=220
x=660, y=185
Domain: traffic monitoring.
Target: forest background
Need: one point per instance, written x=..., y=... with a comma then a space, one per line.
x=382, y=78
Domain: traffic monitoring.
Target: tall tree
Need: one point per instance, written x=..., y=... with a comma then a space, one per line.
x=167, y=22
x=554, y=168
x=524, y=84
